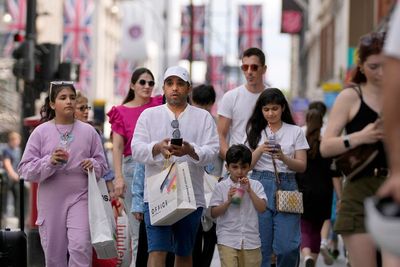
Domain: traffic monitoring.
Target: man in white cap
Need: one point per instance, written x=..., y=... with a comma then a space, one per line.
x=156, y=130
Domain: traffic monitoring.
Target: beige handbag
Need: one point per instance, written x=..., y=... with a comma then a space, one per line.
x=287, y=201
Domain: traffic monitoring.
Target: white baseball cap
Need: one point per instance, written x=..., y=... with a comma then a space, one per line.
x=177, y=71
x=383, y=222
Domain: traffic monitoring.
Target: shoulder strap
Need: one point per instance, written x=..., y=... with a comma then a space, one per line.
x=357, y=88
x=277, y=180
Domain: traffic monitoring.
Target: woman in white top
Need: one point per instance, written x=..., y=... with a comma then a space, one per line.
x=271, y=118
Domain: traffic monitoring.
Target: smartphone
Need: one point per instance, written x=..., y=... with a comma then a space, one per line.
x=177, y=141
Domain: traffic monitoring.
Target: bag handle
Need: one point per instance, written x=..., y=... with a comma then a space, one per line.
x=277, y=180
x=166, y=177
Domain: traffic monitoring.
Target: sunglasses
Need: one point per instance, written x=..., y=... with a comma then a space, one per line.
x=253, y=67
x=85, y=107
x=143, y=83
x=59, y=83
x=371, y=38
x=175, y=126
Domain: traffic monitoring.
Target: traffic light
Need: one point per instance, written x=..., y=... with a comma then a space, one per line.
x=24, y=66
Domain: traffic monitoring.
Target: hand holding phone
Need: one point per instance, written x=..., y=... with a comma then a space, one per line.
x=177, y=141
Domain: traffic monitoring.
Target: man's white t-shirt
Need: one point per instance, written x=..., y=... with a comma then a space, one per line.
x=291, y=138
x=392, y=43
x=237, y=105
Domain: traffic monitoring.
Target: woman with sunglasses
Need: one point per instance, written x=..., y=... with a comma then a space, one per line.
x=123, y=121
x=58, y=155
x=357, y=111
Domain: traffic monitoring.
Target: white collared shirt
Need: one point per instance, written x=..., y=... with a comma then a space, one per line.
x=196, y=126
x=239, y=224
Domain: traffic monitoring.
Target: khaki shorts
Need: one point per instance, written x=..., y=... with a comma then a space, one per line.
x=231, y=257
x=350, y=218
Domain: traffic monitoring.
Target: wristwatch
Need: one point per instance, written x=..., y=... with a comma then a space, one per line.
x=346, y=141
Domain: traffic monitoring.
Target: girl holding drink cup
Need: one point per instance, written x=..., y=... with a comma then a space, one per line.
x=57, y=156
x=273, y=136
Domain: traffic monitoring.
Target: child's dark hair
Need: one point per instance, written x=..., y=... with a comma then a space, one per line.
x=46, y=112
x=257, y=123
x=203, y=94
x=313, y=134
x=238, y=153
x=319, y=105
x=134, y=78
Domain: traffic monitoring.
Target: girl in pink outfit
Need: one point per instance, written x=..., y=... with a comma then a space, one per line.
x=57, y=156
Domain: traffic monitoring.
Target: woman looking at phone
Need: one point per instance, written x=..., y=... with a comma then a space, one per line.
x=272, y=120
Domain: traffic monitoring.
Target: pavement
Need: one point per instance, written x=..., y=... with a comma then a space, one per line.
x=339, y=262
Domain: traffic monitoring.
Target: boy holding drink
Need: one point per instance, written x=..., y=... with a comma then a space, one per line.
x=235, y=203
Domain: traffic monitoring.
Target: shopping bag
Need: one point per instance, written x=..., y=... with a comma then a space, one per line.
x=100, y=229
x=209, y=182
x=107, y=205
x=171, y=195
x=124, y=247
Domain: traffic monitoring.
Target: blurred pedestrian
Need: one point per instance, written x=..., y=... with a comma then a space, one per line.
x=203, y=96
x=58, y=155
x=317, y=188
x=151, y=145
x=239, y=241
x=357, y=110
x=391, y=121
x=236, y=105
x=123, y=120
x=11, y=158
x=271, y=118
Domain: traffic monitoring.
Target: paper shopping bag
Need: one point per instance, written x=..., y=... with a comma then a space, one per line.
x=100, y=229
x=171, y=195
x=123, y=241
x=209, y=184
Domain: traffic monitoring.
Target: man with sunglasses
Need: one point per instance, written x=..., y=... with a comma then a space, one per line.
x=179, y=132
x=236, y=105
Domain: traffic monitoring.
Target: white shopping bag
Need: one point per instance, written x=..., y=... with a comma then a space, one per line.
x=171, y=195
x=101, y=234
x=124, y=245
x=209, y=184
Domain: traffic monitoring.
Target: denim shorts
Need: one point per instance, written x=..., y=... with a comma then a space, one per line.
x=178, y=238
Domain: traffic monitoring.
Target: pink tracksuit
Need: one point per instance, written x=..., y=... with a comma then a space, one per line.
x=62, y=194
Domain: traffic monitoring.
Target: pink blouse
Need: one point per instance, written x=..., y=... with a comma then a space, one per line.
x=123, y=120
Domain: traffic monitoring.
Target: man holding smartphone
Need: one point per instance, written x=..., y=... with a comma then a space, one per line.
x=179, y=132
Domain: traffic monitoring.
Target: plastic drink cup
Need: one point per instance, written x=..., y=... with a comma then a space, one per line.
x=238, y=196
x=65, y=153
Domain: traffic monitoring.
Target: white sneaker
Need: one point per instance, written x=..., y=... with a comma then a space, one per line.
x=328, y=259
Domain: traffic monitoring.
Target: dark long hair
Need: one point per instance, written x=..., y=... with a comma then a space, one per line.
x=314, y=122
x=134, y=78
x=369, y=44
x=257, y=123
x=46, y=112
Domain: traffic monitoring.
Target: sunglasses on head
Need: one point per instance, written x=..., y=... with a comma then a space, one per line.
x=369, y=39
x=85, y=107
x=58, y=83
x=253, y=67
x=143, y=83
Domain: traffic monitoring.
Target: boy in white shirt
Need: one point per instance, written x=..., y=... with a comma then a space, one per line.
x=237, y=221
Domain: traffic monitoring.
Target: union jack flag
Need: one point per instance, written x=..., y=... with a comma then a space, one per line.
x=78, y=18
x=216, y=77
x=122, y=76
x=250, y=27
x=17, y=10
x=198, y=33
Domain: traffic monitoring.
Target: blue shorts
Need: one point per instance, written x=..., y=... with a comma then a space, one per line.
x=178, y=238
